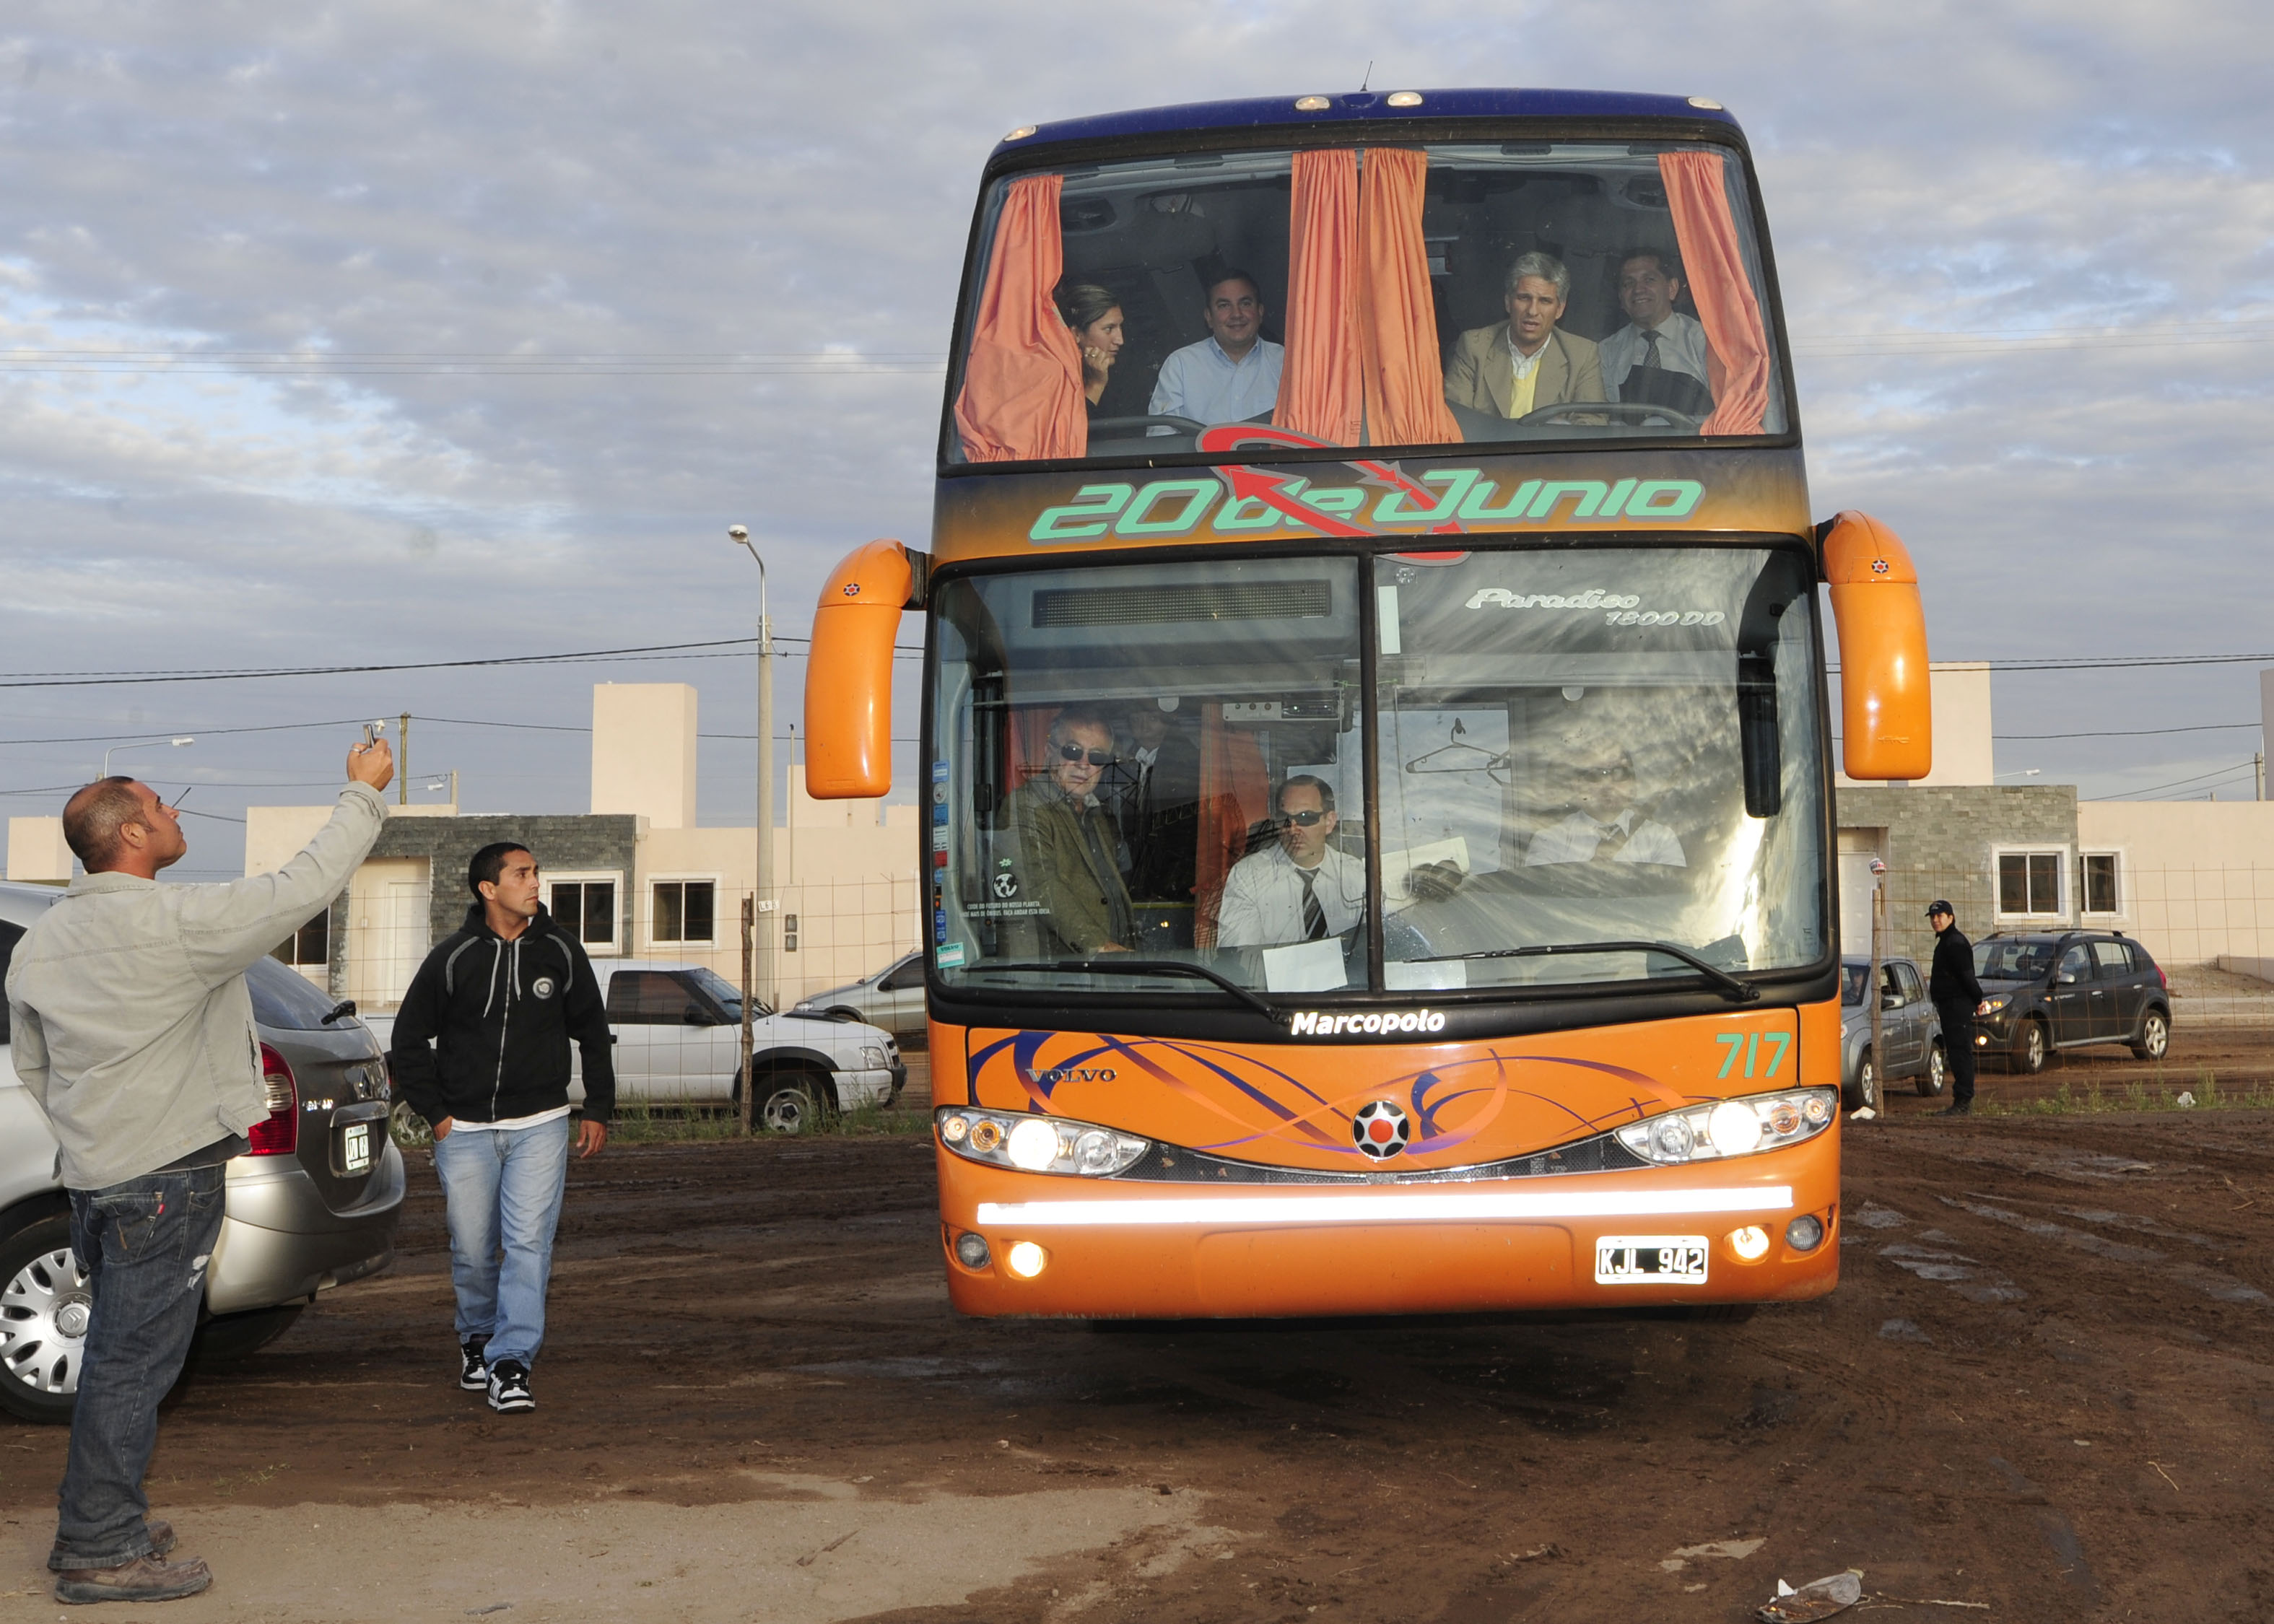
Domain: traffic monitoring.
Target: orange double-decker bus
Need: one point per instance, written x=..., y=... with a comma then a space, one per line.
x=1375, y=719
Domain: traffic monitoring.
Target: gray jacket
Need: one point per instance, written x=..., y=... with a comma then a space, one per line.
x=133, y=1027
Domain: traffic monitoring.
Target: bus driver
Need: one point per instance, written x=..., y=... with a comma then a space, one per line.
x=1301, y=890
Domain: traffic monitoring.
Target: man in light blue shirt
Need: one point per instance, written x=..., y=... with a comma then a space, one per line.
x=1232, y=374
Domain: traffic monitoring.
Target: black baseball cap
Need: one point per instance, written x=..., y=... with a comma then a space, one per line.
x=1940, y=907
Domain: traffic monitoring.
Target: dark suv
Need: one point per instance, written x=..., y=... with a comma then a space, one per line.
x=2064, y=988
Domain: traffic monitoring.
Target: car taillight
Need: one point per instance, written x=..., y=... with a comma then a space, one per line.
x=280, y=1135
x=2165, y=980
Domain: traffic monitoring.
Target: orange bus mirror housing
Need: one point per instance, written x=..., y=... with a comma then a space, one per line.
x=849, y=676
x=1886, y=710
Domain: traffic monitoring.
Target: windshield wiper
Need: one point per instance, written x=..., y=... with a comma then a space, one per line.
x=345, y=1006
x=1112, y=965
x=1727, y=984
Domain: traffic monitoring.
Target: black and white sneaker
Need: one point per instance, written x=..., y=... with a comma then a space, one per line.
x=473, y=1369
x=509, y=1385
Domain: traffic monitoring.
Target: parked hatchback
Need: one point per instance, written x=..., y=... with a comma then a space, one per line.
x=677, y=1034
x=892, y=998
x=2048, y=990
x=1909, y=1030
x=314, y=1205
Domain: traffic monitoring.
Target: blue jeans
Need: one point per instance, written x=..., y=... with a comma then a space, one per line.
x=145, y=1244
x=501, y=1194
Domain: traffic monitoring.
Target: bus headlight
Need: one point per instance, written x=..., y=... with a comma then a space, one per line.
x=1035, y=1144
x=1731, y=1127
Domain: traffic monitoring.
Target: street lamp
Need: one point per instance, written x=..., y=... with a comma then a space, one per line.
x=2018, y=772
x=762, y=879
x=120, y=750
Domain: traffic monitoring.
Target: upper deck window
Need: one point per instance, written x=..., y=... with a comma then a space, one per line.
x=1383, y=296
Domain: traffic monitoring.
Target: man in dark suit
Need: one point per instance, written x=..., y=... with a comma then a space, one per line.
x=1160, y=808
x=1525, y=363
x=1957, y=998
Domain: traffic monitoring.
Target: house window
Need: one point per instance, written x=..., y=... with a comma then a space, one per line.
x=310, y=944
x=684, y=911
x=2029, y=882
x=789, y=933
x=586, y=909
x=2102, y=892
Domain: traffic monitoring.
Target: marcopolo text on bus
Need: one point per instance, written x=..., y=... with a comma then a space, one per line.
x=1318, y=1023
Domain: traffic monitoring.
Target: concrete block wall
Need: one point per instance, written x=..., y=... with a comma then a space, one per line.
x=1940, y=842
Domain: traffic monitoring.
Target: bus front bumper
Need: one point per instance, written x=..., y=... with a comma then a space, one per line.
x=1727, y=1232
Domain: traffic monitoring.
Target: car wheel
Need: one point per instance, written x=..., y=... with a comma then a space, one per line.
x=1865, y=1090
x=1936, y=1078
x=2029, y=1048
x=226, y=1338
x=2155, y=1039
x=44, y=1305
x=791, y=1103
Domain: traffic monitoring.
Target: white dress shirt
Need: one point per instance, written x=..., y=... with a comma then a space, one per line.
x=1262, y=902
x=1681, y=349
x=1201, y=382
x=1576, y=838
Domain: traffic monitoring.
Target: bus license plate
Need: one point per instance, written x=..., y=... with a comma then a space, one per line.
x=355, y=1147
x=1637, y=1259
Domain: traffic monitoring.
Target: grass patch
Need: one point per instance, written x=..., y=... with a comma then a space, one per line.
x=641, y=1121
x=2205, y=1093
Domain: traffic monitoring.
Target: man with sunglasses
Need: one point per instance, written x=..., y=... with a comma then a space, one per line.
x=1068, y=849
x=133, y=1032
x=1606, y=823
x=1301, y=890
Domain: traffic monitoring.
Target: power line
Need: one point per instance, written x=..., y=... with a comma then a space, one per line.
x=2235, y=769
x=683, y=650
x=2134, y=733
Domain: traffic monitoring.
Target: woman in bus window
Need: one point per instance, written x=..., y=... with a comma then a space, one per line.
x=1094, y=316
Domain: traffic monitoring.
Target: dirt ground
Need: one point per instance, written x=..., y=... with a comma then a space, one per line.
x=2041, y=1390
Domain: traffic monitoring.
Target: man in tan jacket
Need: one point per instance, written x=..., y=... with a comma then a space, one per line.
x=134, y=1033
x=1526, y=362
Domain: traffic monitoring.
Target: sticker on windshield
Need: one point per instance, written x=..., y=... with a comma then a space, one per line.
x=951, y=954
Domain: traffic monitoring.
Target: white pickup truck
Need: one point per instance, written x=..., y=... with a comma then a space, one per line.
x=677, y=1043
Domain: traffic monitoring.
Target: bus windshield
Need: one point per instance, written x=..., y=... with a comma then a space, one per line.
x=1580, y=756
x=1508, y=291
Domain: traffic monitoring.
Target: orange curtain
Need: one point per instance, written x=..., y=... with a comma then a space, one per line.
x=1738, y=346
x=1235, y=793
x=1030, y=743
x=1022, y=394
x=1404, y=383
x=1319, y=386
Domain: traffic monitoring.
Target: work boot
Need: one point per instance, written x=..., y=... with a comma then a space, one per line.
x=1963, y=1108
x=162, y=1534
x=146, y=1578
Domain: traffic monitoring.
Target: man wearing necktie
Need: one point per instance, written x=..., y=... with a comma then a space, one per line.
x=1659, y=357
x=1160, y=813
x=1301, y=890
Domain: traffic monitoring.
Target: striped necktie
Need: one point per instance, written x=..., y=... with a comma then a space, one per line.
x=1314, y=917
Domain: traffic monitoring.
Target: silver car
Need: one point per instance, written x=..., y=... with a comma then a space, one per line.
x=894, y=998
x=314, y=1205
x=1909, y=1027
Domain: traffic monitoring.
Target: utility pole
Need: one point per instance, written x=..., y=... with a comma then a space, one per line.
x=763, y=876
x=2258, y=772
x=403, y=765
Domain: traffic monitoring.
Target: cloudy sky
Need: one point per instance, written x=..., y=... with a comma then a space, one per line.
x=423, y=332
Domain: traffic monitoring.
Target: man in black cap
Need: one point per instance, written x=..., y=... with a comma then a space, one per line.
x=1957, y=998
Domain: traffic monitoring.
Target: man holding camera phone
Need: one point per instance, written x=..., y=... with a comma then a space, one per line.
x=133, y=1031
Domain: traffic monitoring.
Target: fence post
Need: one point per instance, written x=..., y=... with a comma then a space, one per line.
x=749, y=992
x=1878, y=1006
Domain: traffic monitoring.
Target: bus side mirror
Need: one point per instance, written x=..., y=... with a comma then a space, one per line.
x=1887, y=724
x=848, y=678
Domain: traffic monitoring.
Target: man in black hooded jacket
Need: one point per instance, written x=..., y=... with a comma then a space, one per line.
x=481, y=1051
x=1957, y=998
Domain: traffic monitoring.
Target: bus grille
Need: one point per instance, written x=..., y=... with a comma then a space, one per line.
x=1233, y=600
